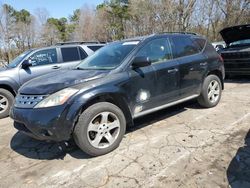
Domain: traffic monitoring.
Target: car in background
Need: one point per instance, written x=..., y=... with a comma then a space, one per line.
x=236, y=54
x=219, y=45
x=37, y=62
x=96, y=101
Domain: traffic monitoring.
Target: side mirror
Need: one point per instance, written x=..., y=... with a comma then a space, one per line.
x=141, y=62
x=26, y=63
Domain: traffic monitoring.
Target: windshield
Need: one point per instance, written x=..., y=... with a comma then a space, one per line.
x=240, y=42
x=18, y=59
x=109, y=56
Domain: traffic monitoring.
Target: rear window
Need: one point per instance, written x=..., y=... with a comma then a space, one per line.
x=200, y=42
x=83, y=55
x=184, y=46
x=70, y=54
x=94, y=48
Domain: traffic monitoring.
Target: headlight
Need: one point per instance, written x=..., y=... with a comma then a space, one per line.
x=57, y=98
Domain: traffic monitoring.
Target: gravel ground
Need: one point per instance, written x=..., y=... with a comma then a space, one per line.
x=182, y=146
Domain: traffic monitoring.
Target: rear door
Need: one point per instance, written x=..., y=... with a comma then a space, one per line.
x=71, y=56
x=43, y=62
x=192, y=65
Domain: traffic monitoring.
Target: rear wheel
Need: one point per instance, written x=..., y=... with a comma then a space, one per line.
x=211, y=91
x=100, y=129
x=6, y=101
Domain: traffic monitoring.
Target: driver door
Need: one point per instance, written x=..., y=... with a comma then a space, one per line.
x=42, y=62
x=155, y=85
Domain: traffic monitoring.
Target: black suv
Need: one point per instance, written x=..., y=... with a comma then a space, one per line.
x=120, y=82
x=37, y=62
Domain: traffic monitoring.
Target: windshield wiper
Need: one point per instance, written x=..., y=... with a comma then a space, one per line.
x=79, y=68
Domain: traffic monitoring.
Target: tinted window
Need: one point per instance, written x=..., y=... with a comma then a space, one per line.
x=158, y=50
x=70, y=54
x=44, y=57
x=184, y=46
x=94, y=48
x=200, y=42
x=83, y=55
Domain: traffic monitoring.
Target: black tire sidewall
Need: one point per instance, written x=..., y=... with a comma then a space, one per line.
x=204, y=96
x=10, y=99
x=80, y=131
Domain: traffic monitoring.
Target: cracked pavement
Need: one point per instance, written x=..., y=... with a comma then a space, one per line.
x=182, y=146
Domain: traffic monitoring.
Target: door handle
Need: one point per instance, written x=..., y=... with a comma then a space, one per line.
x=56, y=67
x=173, y=70
x=203, y=64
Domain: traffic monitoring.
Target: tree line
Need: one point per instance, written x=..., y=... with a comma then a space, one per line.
x=117, y=19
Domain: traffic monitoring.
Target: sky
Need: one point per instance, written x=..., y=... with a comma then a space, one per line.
x=56, y=8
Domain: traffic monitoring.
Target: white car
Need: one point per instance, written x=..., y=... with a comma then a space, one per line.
x=219, y=45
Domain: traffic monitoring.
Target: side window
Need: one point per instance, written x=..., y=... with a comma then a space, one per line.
x=157, y=51
x=200, y=42
x=184, y=46
x=83, y=55
x=70, y=54
x=44, y=57
x=94, y=48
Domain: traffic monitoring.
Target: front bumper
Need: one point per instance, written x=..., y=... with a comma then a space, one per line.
x=237, y=67
x=50, y=124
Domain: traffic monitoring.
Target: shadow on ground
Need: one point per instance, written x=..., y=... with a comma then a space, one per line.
x=238, y=172
x=41, y=150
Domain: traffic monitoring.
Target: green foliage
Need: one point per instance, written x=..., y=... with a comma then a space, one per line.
x=76, y=16
x=60, y=25
x=22, y=16
x=118, y=13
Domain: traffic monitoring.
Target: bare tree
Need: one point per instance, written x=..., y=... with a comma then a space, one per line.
x=6, y=29
x=85, y=29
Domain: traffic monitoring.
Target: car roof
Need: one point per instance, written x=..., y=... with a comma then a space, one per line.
x=141, y=38
x=68, y=45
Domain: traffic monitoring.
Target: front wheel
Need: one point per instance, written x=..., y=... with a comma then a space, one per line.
x=211, y=91
x=100, y=129
x=6, y=101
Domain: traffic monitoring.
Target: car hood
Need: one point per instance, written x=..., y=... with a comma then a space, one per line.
x=235, y=33
x=52, y=82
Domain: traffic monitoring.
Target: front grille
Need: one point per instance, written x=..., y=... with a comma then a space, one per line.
x=235, y=55
x=28, y=101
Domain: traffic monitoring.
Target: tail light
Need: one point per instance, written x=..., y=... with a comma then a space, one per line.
x=221, y=58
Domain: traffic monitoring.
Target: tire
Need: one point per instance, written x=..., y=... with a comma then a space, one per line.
x=6, y=101
x=92, y=125
x=210, y=98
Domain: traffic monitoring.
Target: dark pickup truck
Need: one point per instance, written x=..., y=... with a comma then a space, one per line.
x=236, y=55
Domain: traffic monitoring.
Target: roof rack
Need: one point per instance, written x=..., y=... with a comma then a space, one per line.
x=178, y=32
x=79, y=42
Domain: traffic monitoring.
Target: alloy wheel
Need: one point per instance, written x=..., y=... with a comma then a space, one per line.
x=103, y=130
x=3, y=103
x=213, y=91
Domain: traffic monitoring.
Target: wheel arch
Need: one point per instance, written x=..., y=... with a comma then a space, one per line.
x=115, y=98
x=217, y=73
x=8, y=88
